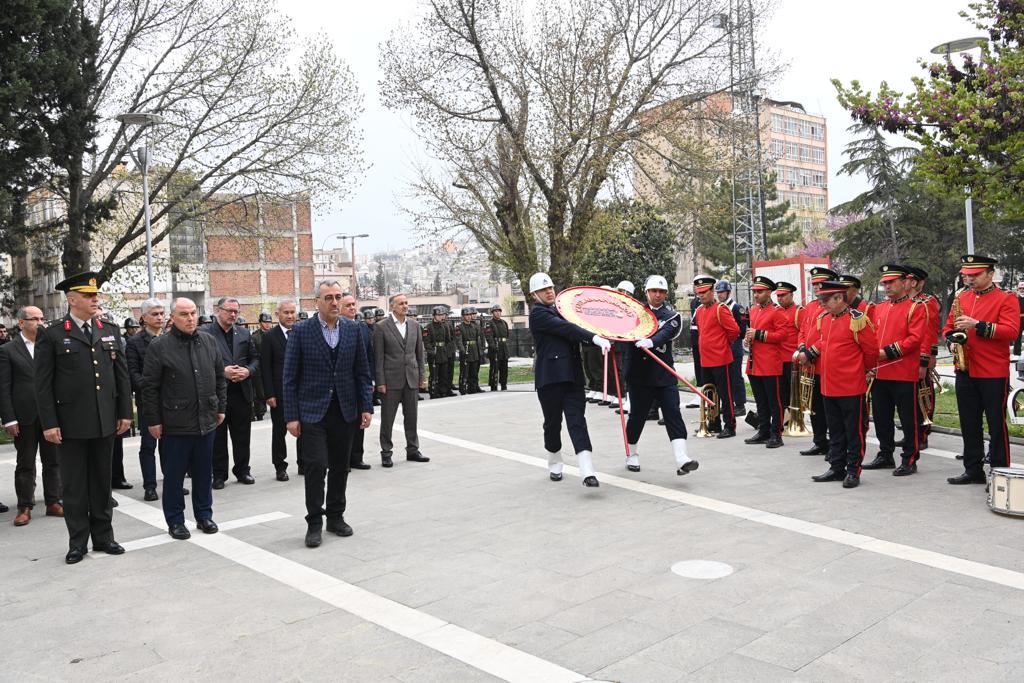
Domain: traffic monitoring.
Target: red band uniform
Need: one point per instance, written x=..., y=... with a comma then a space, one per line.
x=793, y=318
x=819, y=425
x=764, y=362
x=718, y=329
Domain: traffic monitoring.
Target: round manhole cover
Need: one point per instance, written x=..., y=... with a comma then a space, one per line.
x=701, y=569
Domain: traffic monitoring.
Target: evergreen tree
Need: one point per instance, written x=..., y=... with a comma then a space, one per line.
x=437, y=282
x=380, y=282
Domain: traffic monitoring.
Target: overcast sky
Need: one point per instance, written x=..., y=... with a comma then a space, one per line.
x=868, y=40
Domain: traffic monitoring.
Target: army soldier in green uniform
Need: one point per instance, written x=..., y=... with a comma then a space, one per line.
x=496, y=334
x=259, y=399
x=470, y=352
x=85, y=401
x=450, y=349
x=437, y=337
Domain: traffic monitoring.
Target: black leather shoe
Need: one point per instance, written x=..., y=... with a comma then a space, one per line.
x=340, y=528
x=246, y=479
x=112, y=548
x=967, y=478
x=113, y=502
x=633, y=468
x=122, y=485
x=218, y=484
x=282, y=476
x=150, y=495
x=361, y=466
x=179, y=533
x=740, y=411
x=207, y=526
x=417, y=457
x=757, y=438
x=75, y=555
x=687, y=467
x=726, y=433
x=905, y=470
x=960, y=456
x=814, y=450
x=923, y=446
x=555, y=477
x=300, y=470
x=751, y=419
x=385, y=461
x=774, y=442
x=184, y=491
x=831, y=475
x=880, y=463
x=852, y=481
x=313, y=537
x=591, y=482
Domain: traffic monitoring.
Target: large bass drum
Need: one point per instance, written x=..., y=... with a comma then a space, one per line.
x=1006, y=491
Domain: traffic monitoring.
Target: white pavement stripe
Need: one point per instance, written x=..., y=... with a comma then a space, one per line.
x=161, y=539
x=937, y=452
x=9, y=461
x=485, y=654
x=949, y=563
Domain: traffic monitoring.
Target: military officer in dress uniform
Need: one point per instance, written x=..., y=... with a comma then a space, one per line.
x=470, y=342
x=649, y=381
x=85, y=401
x=916, y=279
x=723, y=292
x=496, y=335
x=793, y=317
x=437, y=336
x=764, y=338
x=718, y=331
x=901, y=325
x=814, y=308
x=982, y=322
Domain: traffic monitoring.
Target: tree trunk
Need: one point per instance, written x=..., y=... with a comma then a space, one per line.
x=76, y=252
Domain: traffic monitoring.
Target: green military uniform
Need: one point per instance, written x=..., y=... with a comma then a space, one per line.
x=496, y=334
x=437, y=338
x=470, y=340
x=451, y=349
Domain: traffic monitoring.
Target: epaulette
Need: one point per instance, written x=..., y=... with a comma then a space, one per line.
x=854, y=313
x=858, y=321
x=817, y=321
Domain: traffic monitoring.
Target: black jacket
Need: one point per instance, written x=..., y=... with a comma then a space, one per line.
x=557, y=343
x=272, y=363
x=17, y=383
x=183, y=385
x=135, y=352
x=243, y=352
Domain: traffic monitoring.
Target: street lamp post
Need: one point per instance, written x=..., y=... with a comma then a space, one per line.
x=352, y=247
x=141, y=156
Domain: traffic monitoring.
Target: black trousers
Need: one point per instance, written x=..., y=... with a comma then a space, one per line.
x=889, y=397
x=819, y=421
x=117, y=460
x=497, y=373
x=148, y=447
x=469, y=377
x=593, y=368
x=29, y=440
x=556, y=400
x=326, y=447
x=355, y=455
x=845, y=415
x=978, y=397
x=85, y=473
x=698, y=373
x=278, y=442
x=785, y=385
x=721, y=377
x=769, y=404
x=450, y=374
x=641, y=398
x=238, y=423
x=739, y=388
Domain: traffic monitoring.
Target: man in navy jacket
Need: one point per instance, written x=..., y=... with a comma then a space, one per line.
x=558, y=377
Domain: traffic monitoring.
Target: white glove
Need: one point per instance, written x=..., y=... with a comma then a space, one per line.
x=645, y=344
x=602, y=343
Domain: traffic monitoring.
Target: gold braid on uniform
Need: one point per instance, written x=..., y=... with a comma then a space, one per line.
x=858, y=321
x=987, y=330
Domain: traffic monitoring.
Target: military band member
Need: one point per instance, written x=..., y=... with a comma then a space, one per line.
x=437, y=336
x=718, y=331
x=916, y=279
x=814, y=307
x=853, y=287
x=842, y=344
x=723, y=292
x=649, y=381
x=85, y=401
x=559, y=379
x=901, y=325
x=793, y=316
x=496, y=335
x=470, y=341
x=983, y=320
x=764, y=338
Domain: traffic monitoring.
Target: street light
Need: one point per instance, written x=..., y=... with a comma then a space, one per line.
x=352, y=239
x=962, y=45
x=141, y=156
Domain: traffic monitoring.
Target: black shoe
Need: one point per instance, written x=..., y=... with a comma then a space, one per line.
x=960, y=456
x=179, y=533
x=603, y=402
x=313, y=537
x=901, y=443
x=831, y=475
x=757, y=438
x=591, y=482
x=652, y=415
x=113, y=502
x=592, y=400
x=815, y=450
x=726, y=433
x=112, y=548
x=121, y=485
x=150, y=495
x=661, y=421
x=385, y=461
x=740, y=411
x=417, y=457
x=361, y=466
x=774, y=442
x=687, y=467
x=282, y=476
x=633, y=468
x=4, y=508
x=751, y=419
x=555, y=477
x=852, y=481
x=207, y=526
x=340, y=528
x=218, y=484
x=75, y=555
x=880, y=462
x=905, y=470
x=967, y=478
x=923, y=446
x=504, y=387
x=184, y=491
x=300, y=470
x=246, y=479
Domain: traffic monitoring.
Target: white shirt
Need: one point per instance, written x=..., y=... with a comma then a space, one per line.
x=400, y=325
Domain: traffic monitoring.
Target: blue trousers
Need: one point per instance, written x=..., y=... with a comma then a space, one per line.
x=147, y=455
x=556, y=400
x=641, y=398
x=181, y=453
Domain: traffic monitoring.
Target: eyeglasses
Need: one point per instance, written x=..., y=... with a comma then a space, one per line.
x=230, y=311
x=38, y=319
x=332, y=297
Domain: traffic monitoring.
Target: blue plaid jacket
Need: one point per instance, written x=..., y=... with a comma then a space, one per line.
x=308, y=381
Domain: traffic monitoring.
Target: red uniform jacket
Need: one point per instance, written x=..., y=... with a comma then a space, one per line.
x=793, y=318
x=988, y=350
x=844, y=348
x=930, y=343
x=900, y=326
x=718, y=330
x=765, y=358
x=807, y=320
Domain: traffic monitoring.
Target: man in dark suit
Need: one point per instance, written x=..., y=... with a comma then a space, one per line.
x=327, y=396
x=20, y=415
x=400, y=375
x=558, y=376
x=240, y=363
x=85, y=400
x=350, y=312
x=272, y=368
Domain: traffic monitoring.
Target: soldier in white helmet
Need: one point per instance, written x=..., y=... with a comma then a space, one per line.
x=621, y=356
x=558, y=378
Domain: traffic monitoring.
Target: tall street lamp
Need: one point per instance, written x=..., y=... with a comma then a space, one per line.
x=352, y=241
x=963, y=45
x=141, y=156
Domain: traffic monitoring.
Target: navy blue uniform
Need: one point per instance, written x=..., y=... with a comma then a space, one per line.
x=739, y=387
x=648, y=381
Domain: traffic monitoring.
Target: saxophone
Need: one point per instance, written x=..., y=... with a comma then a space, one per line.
x=957, y=337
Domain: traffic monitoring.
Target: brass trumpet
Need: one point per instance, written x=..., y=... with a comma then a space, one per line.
x=797, y=405
x=708, y=414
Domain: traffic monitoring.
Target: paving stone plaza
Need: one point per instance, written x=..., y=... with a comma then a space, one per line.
x=476, y=567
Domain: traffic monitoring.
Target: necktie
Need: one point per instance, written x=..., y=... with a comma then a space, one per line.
x=87, y=330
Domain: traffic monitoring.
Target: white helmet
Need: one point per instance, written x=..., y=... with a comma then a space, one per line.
x=656, y=282
x=626, y=286
x=606, y=286
x=540, y=281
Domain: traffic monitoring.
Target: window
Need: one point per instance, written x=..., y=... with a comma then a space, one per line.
x=819, y=155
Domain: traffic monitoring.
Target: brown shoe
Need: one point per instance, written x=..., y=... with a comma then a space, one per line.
x=54, y=510
x=23, y=517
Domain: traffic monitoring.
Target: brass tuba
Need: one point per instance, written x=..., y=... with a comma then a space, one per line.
x=797, y=404
x=708, y=414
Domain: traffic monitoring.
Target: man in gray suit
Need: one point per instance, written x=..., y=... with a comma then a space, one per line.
x=398, y=347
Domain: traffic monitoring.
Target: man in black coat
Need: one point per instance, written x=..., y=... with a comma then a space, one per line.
x=240, y=363
x=85, y=400
x=271, y=368
x=20, y=415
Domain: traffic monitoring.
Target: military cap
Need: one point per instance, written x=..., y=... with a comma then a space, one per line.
x=439, y=310
x=203, y=319
x=303, y=315
x=917, y=273
x=240, y=320
x=86, y=283
x=495, y=307
x=130, y=323
x=830, y=287
x=468, y=310
x=850, y=281
x=762, y=283
x=893, y=271
x=821, y=274
x=703, y=283
x=378, y=312
x=972, y=264
x=782, y=287
x=368, y=315
x=265, y=318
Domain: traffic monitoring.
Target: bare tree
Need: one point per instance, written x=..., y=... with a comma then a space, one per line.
x=531, y=115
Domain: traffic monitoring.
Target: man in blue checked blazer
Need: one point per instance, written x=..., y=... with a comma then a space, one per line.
x=327, y=397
